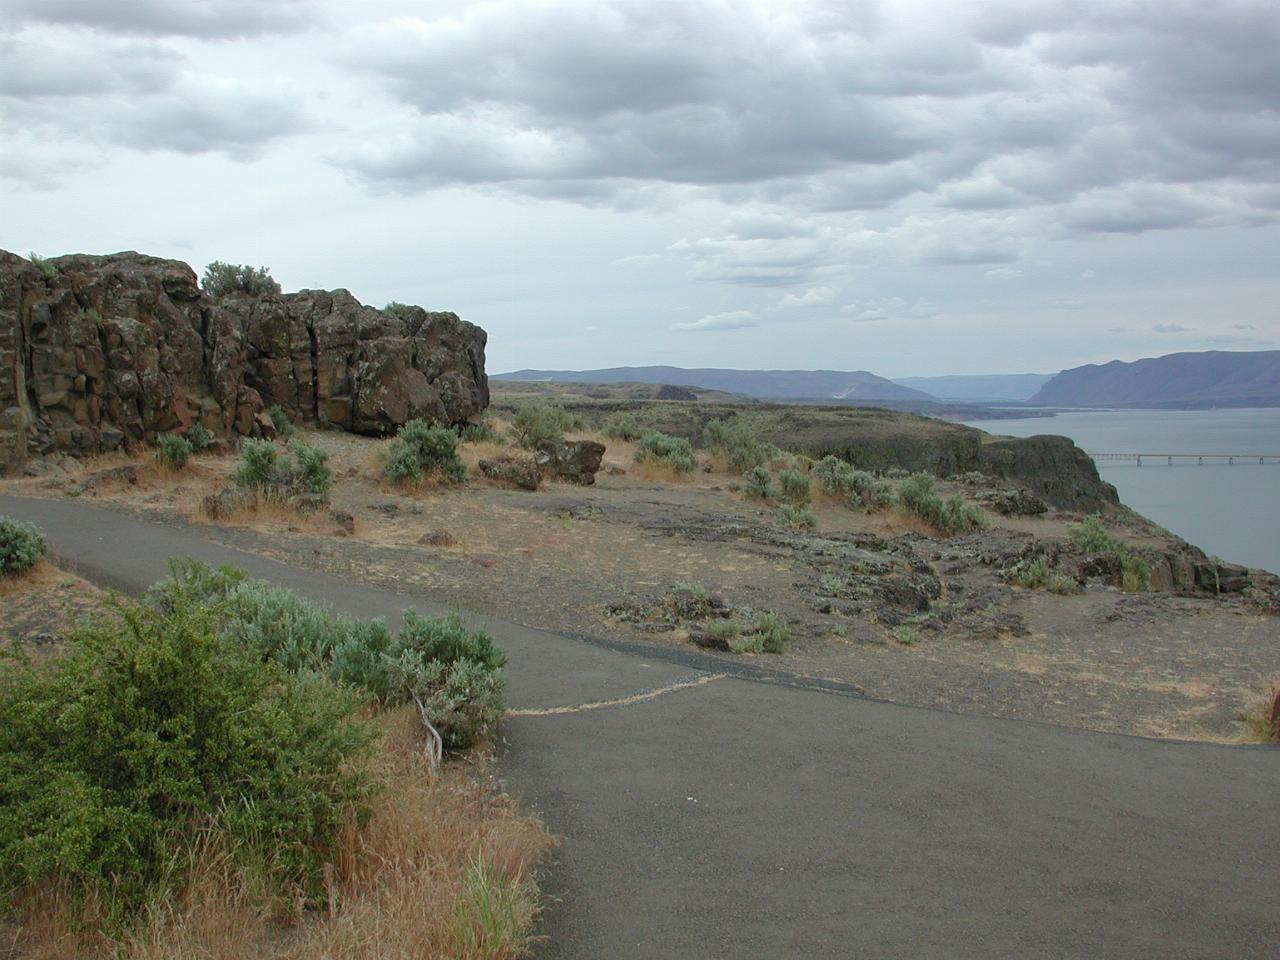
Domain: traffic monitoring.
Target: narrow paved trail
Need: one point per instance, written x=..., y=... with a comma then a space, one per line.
x=714, y=814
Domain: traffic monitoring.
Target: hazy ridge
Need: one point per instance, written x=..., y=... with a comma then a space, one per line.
x=1214, y=378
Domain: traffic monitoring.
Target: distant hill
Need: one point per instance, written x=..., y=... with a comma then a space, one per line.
x=765, y=384
x=996, y=387
x=1214, y=378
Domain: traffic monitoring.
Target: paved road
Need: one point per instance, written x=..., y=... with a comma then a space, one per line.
x=726, y=817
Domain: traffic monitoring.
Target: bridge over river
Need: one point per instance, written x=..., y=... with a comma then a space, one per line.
x=1169, y=459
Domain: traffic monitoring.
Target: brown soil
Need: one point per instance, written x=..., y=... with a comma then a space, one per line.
x=40, y=606
x=605, y=560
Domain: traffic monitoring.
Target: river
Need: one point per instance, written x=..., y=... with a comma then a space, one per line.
x=1231, y=511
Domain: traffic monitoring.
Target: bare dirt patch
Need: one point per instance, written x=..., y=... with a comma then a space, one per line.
x=874, y=599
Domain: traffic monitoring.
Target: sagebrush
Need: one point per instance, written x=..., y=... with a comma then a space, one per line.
x=21, y=546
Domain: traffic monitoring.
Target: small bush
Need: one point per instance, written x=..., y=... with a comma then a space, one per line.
x=221, y=279
x=1032, y=574
x=540, y=423
x=1135, y=574
x=150, y=733
x=773, y=632
x=1091, y=536
x=674, y=451
x=795, y=487
x=906, y=635
x=200, y=438
x=47, y=270
x=622, y=426
x=21, y=546
x=397, y=309
x=173, y=451
x=745, y=644
x=757, y=482
x=421, y=450
x=916, y=496
x=723, y=629
x=1061, y=584
x=838, y=478
x=492, y=912
x=735, y=441
x=262, y=468
x=798, y=517
x=280, y=420
x=481, y=432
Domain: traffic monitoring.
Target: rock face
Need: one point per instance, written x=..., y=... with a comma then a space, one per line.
x=102, y=352
x=574, y=461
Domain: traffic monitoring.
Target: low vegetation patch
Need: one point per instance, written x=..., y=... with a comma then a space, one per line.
x=1092, y=538
x=421, y=452
x=734, y=441
x=173, y=451
x=280, y=420
x=221, y=279
x=673, y=452
x=263, y=469
x=799, y=518
x=1037, y=574
x=540, y=423
x=21, y=546
x=949, y=517
x=839, y=479
x=795, y=487
x=758, y=482
x=200, y=438
x=622, y=426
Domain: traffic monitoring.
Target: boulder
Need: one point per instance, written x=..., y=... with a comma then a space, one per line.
x=1015, y=503
x=103, y=352
x=125, y=474
x=518, y=472
x=574, y=461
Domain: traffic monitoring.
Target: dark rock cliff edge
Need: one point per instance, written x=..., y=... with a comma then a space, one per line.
x=103, y=352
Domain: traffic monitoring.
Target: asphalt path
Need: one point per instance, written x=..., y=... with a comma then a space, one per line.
x=714, y=814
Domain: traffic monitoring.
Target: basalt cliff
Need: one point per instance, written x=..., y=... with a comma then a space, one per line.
x=99, y=353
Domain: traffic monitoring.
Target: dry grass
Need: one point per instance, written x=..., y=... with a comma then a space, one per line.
x=267, y=513
x=1262, y=724
x=445, y=869
x=659, y=471
x=43, y=576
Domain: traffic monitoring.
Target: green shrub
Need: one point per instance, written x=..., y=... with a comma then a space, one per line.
x=906, y=635
x=221, y=279
x=1061, y=584
x=1091, y=536
x=795, y=487
x=262, y=468
x=1135, y=574
x=757, y=482
x=200, y=438
x=736, y=442
x=173, y=451
x=540, y=423
x=47, y=270
x=402, y=464
x=622, y=426
x=916, y=496
x=838, y=478
x=21, y=546
x=773, y=632
x=151, y=732
x=673, y=451
x=481, y=432
x=745, y=644
x=280, y=420
x=799, y=517
x=420, y=450
x=1032, y=574
x=397, y=309
x=723, y=629
x=454, y=672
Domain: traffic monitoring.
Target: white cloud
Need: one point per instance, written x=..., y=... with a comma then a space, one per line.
x=1170, y=328
x=733, y=320
x=1004, y=273
x=812, y=297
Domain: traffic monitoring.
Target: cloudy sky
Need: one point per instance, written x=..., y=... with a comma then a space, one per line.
x=913, y=188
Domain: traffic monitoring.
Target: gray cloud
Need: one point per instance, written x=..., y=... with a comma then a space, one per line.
x=65, y=65
x=1170, y=328
x=210, y=19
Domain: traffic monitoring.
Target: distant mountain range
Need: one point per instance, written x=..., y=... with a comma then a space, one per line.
x=1215, y=378
x=985, y=388
x=764, y=384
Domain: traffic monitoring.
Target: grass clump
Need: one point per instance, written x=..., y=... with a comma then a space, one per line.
x=674, y=452
x=540, y=423
x=152, y=734
x=280, y=420
x=795, y=487
x=21, y=546
x=1135, y=574
x=772, y=632
x=173, y=451
x=420, y=450
x=221, y=279
x=480, y=432
x=800, y=518
x=48, y=271
x=303, y=470
x=200, y=438
x=491, y=914
x=907, y=636
x=949, y=517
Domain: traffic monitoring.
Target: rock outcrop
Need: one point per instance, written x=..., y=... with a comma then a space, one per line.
x=103, y=352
